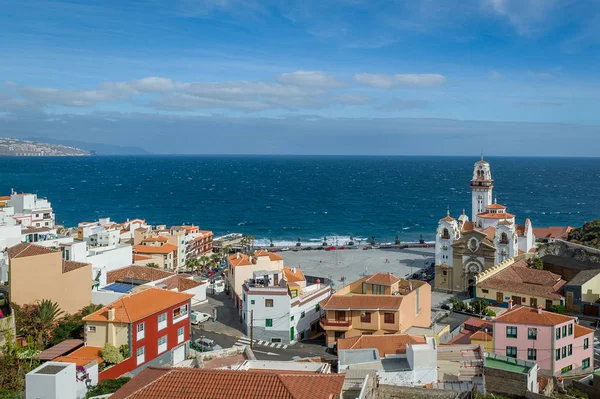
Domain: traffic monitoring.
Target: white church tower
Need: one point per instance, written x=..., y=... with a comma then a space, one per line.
x=447, y=232
x=481, y=188
x=506, y=241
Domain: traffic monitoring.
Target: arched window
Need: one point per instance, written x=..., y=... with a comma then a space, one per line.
x=446, y=234
x=503, y=239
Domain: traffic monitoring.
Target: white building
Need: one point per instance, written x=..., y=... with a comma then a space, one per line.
x=280, y=307
x=29, y=210
x=10, y=234
x=105, y=259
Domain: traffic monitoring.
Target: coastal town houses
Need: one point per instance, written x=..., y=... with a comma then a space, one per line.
x=37, y=273
x=153, y=324
x=582, y=293
x=552, y=233
x=162, y=252
x=241, y=268
x=513, y=279
x=279, y=306
x=464, y=248
x=559, y=345
x=377, y=304
x=29, y=210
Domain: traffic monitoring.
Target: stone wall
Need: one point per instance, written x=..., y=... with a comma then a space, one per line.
x=395, y=392
x=505, y=382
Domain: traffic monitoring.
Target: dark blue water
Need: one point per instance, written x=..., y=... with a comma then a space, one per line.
x=309, y=197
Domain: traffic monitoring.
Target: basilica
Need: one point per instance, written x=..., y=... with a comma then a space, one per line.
x=464, y=248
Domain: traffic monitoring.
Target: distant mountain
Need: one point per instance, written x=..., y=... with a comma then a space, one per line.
x=97, y=149
x=35, y=148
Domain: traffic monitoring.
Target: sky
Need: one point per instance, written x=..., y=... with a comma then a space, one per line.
x=378, y=77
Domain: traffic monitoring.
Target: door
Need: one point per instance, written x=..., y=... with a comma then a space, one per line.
x=292, y=335
x=178, y=354
x=533, y=302
x=516, y=300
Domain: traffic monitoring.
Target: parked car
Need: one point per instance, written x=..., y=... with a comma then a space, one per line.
x=199, y=317
x=206, y=345
x=285, y=249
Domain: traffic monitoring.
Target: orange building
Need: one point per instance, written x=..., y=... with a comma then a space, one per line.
x=375, y=305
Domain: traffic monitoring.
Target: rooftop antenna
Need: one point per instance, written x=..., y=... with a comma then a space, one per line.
x=482, y=155
x=447, y=210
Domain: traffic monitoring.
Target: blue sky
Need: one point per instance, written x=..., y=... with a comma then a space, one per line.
x=241, y=76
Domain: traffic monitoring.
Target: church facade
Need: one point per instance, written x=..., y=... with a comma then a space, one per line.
x=465, y=247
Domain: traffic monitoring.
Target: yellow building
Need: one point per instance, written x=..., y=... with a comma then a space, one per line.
x=485, y=339
x=517, y=281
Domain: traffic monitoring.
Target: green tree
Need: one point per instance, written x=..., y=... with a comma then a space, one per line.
x=89, y=309
x=373, y=240
x=107, y=386
x=324, y=241
x=111, y=354
x=215, y=259
x=15, y=363
x=203, y=262
x=458, y=305
x=536, y=263
x=557, y=309
x=479, y=306
x=152, y=264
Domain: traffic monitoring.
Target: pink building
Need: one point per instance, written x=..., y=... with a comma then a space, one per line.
x=559, y=345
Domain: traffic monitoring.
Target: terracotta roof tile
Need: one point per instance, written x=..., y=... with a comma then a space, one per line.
x=467, y=226
x=137, y=272
x=490, y=233
x=526, y=315
x=24, y=249
x=82, y=356
x=483, y=336
x=138, y=305
x=69, y=265
x=261, y=252
x=359, y=301
x=552, y=232
x=274, y=257
x=156, y=383
x=383, y=279
x=30, y=229
x=239, y=259
x=504, y=215
x=137, y=257
x=391, y=344
x=156, y=239
x=522, y=279
x=448, y=219
x=495, y=206
x=180, y=283
x=580, y=331
x=151, y=249
x=291, y=277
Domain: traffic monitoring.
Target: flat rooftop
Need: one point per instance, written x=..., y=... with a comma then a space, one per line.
x=506, y=365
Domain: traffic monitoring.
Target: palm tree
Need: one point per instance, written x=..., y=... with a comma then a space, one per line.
x=397, y=242
x=47, y=315
x=203, y=261
x=324, y=241
x=251, y=241
x=271, y=243
x=299, y=242
x=351, y=241
x=372, y=240
x=89, y=309
x=216, y=259
x=152, y=264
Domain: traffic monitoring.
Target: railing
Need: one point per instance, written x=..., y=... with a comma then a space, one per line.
x=335, y=323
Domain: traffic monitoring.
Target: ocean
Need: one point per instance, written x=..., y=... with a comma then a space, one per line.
x=286, y=197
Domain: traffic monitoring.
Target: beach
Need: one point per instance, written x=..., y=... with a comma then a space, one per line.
x=352, y=264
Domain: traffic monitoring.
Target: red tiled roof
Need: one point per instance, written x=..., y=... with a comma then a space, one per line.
x=261, y=252
x=580, y=331
x=359, y=301
x=462, y=338
x=151, y=249
x=82, y=356
x=468, y=226
x=274, y=257
x=141, y=257
x=156, y=239
x=59, y=349
x=239, y=259
x=505, y=215
x=391, y=344
x=24, y=249
x=526, y=315
x=490, y=233
x=136, y=272
x=483, y=336
x=69, y=265
x=138, y=305
x=383, y=279
x=292, y=276
x=448, y=219
x=159, y=383
x=552, y=232
x=180, y=283
x=495, y=206
x=522, y=279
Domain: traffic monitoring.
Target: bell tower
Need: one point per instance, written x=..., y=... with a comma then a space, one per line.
x=482, y=185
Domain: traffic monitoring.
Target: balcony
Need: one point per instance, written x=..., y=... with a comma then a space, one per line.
x=335, y=325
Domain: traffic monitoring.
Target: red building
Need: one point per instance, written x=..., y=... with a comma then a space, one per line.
x=153, y=323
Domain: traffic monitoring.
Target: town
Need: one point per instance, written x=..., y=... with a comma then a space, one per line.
x=131, y=310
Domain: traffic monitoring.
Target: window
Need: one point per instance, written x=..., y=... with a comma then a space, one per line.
x=445, y=234
x=180, y=333
x=244, y=297
x=388, y=318
x=140, y=331
x=485, y=291
x=586, y=343
x=162, y=344
x=566, y=369
x=140, y=354
x=570, y=329
x=374, y=289
x=268, y=303
x=292, y=318
x=564, y=331
x=92, y=329
x=500, y=297
x=444, y=272
x=532, y=333
x=511, y=351
x=381, y=290
x=340, y=316
x=570, y=350
x=557, y=354
x=533, y=302
x=180, y=313
x=317, y=307
x=364, y=288
x=365, y=317
x=276, y=279
x=268, y=322
x=162, y=321
x=531, y=354
x=511, y=332
x=586, y=363
x=557, y=332
x=302, y=315
x=251, y=301
x=564, y=352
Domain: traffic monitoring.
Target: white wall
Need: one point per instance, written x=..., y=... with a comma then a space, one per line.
x=279, y=313
x=107, y=259
x=199, y=294
x=105, y=297
x=309, y=308
x=62, y=385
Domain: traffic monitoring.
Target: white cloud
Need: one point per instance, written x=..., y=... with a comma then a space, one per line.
x=383, y=81
x=528, y=17
x=495, y=75
x=311, y=79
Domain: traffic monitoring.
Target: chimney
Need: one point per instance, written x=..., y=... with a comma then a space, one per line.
x=410, y=285
x=294, y=270
x=539, y=309
x=510, y=304
x=318, y=283
x=111, y=314
x=237, y=255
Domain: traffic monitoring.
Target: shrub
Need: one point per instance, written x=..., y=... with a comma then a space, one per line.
x=111, y=354
x=124, y=349
x=479, y=306
x=557, y=309
x=107, y=386
x=458, y=305
x=490, y=312
x=536, y=263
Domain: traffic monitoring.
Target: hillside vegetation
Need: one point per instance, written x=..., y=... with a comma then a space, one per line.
x=588, y=235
